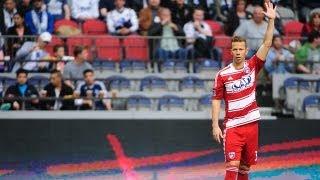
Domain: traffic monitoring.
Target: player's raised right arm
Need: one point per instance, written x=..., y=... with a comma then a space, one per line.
x=267, y=42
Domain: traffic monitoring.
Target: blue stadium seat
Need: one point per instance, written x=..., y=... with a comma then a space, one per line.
x=168, y=66
x=171, y=103
x=191, y=84
x=138, y=66
x=38, y=81
x=296, y=89
x=125, y=66
x=311, y=101
x=104, y=65
x=7, y=81
x=311, y=106
x=138, y=102
x=174, y=66
x=207, y=65
x=132, y=66
x=294, y=82
x=119, y=83
x=205, y=100
x=152, y=83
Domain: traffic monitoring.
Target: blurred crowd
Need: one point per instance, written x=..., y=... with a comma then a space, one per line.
x=183, y=28
x=167, y=19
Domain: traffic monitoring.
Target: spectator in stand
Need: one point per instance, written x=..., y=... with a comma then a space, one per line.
x=22, y=89
x=90, y=89
x=105, y=6
x=19, y=30
x=168, y=47
x=308, y=56
x=137, y=5
x=59, y=9
x=199, y=36
x=39, y=20
x=278, y=58
x=305, y=8
x=181, y=12
x=237, y=17
x=285, y=13
x=148, y=16
x=57, y=89
x=74, y=69
x=82, y=10
x=6, y=15
x=24, y=6
x=253, y=30
x=33, y=51
x=59, y=58
x=122, y=21
x=312, y=25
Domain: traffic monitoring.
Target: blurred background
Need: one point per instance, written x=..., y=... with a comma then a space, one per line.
x=116, y=89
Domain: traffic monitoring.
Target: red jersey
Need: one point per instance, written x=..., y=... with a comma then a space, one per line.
x=238, y=89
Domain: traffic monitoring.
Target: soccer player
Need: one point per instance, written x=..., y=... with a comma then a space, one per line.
x=236, y=84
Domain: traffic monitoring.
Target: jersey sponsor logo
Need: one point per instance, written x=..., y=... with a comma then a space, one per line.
x=232, y=155
x=241, y=84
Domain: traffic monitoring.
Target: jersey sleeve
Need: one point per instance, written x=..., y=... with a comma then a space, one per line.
x=218, y=88
x=256, y=63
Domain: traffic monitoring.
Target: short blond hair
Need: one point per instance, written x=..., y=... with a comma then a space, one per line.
x=238, y=39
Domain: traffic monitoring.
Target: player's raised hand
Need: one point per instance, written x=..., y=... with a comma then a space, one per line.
x=270, y=11
x=217, y=133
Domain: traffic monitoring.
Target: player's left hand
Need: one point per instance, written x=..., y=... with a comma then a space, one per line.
x=270, y=11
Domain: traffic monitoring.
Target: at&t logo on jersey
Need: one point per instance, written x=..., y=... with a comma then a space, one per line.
x=241, y=84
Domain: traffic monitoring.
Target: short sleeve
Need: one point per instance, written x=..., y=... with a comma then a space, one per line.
x=218, y=88
x=256, y=63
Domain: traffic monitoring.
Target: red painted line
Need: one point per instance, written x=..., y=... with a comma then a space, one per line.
x=290, y=145
x=125, y=163
x=264, y=164
x=65, y=169
x=5, y=171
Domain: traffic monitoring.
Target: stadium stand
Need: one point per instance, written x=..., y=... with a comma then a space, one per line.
x=128, y=66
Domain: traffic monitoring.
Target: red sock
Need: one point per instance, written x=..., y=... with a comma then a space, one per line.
x=243, y=175
x=231, y=173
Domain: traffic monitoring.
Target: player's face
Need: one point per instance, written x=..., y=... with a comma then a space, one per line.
x=239, y=52
x=89, y=78
x=22, y=78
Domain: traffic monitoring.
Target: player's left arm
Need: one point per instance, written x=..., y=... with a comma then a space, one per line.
x=267, y=41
